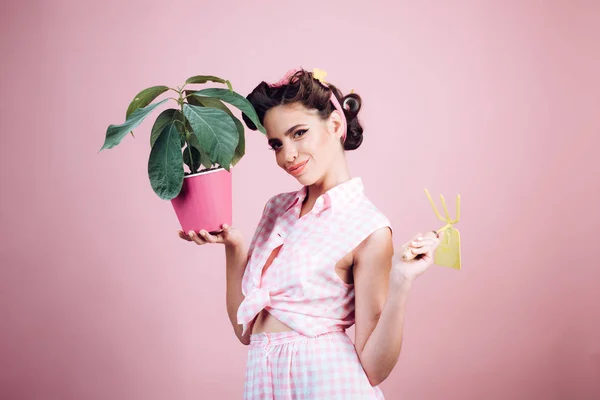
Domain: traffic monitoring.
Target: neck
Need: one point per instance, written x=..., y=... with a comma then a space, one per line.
x=336, y=174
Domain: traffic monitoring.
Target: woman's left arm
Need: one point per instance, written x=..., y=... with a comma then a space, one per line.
x=381, y=290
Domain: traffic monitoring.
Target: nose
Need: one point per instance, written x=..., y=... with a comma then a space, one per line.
x=290, y=153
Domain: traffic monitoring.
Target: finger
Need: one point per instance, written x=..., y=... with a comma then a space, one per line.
x=226, y=229
x=196, y=238
x=418, y=236
x=421, y=250
x=431, y=234
x=208, y=237
x=411, y=252
x=183, y=236
x=407, y=250
x=421, y=243
x=414, y=239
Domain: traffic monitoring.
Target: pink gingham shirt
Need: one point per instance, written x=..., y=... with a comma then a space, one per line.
x=301, y=287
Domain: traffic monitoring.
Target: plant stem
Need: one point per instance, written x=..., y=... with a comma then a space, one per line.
x=182, y=124
x=191, y=94
x=180, y=101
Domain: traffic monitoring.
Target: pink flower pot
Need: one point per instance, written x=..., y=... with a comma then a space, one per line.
x=204, y=201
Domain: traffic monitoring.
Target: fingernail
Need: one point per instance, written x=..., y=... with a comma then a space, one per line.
x=191, y=233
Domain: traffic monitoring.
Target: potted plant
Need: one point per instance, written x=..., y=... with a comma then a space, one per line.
x=201, y=133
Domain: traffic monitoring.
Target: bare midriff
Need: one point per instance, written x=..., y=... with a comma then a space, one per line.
x=265, y=322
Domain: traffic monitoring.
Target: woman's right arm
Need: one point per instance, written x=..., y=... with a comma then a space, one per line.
x=236, y=258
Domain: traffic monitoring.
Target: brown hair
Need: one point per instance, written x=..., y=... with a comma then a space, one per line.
x=306, y=90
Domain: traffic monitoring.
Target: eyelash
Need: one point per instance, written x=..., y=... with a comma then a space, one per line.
x=295, y=133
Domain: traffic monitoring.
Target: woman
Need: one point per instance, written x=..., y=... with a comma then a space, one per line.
x=320, y=260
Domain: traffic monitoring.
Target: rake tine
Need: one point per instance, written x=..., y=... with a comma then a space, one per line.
x=457, y=208
x=434, y=207
x=445, y=208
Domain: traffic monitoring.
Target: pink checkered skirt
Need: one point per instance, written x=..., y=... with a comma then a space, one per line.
x=289, y=365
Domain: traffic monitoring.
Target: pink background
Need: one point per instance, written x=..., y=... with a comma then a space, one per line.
x=495, y=100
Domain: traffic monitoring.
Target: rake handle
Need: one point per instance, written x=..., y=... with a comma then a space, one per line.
x=407, y=254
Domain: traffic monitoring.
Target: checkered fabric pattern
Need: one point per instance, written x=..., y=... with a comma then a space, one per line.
x=301, y=287
x=289, y=365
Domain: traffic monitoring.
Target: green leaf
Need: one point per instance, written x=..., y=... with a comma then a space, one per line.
x=145, y=97
x=165, y=165
x=240, y=150
x=204, y=158
x=116, y=133
x=194, y=100
x=195, y=163
x=205, y=78
x=166, y=117
x=235, y=99
x=216, y=132
x=216, y=103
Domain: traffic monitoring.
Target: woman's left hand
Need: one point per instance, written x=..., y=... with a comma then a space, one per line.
x=423, y=246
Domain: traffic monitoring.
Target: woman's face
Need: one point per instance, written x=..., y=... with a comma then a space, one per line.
x=304, y=144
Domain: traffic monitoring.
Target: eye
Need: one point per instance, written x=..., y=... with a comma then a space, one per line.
x=300, y=133
x=274, y=146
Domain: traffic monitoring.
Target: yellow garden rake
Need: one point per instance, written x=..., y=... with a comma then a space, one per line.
x=447, y=253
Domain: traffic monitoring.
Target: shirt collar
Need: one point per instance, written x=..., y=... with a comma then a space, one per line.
x=337, y=196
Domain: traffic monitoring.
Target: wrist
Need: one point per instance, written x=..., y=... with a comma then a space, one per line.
x=232, y=246
x=401, y=285
x=236, y=256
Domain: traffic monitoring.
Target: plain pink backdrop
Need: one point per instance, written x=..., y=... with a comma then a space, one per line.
x=496, y=100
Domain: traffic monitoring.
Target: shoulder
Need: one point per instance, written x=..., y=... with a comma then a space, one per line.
x=370, y=215
x=359, y=224
x=377, y=246
x=379, y=239
x=278, y=202
x=376, y=229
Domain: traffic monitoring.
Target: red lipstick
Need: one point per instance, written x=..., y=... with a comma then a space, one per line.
x=297, y=168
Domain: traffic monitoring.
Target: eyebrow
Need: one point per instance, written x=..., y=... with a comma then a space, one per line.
x=289, y=131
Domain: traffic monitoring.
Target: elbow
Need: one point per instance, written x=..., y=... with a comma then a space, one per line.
x=374, y=383
x=244, y=339
x=376, y=379
x=376, y=374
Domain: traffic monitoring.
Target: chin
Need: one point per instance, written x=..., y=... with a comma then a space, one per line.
x=304, y=181
x=307, y=179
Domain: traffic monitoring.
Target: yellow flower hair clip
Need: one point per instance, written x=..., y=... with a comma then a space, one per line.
x=320, y=75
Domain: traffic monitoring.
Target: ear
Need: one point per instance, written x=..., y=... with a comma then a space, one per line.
x=334, y=124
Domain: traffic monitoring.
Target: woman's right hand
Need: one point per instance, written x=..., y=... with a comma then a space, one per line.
x=228, y=236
